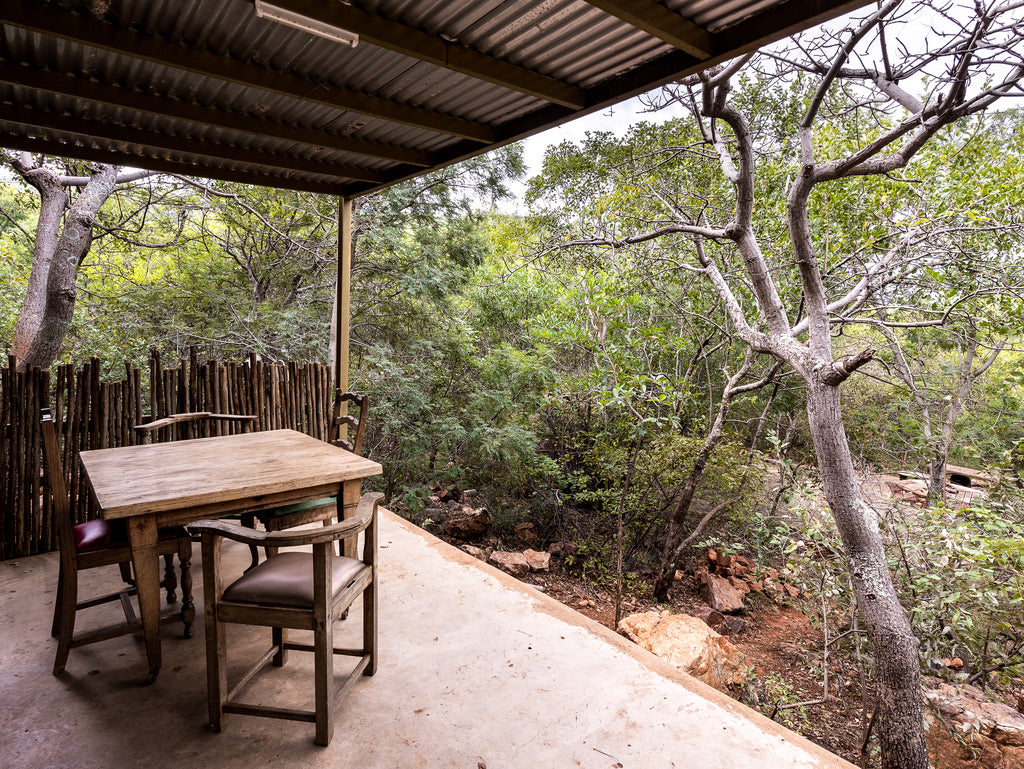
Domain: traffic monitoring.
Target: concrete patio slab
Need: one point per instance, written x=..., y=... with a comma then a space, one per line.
x=476, y=670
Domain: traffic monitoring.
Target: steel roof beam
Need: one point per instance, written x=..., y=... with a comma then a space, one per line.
x=188, y=145
x=60, y=148
x=112, y=95
x=436, y=50
x=658, y=21
x=47, y=20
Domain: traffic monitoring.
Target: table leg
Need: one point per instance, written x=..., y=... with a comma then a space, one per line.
x=142, y=538
x=350, y=499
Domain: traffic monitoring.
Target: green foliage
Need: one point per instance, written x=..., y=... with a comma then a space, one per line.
x=959, y=572
x=962, y=573
x=18, y=211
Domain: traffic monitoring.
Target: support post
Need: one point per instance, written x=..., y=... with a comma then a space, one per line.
x=342, y=306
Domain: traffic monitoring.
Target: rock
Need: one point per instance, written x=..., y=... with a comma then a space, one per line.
x=690, y=645
x=467, y=524
x=512, y=563
x=538, y=560
x=476, y=552
x=719, y=594
x=562, y=549
x=740, y=585
x=723, y=624
x=741, y=566
x=526, y=532
x=971, y=711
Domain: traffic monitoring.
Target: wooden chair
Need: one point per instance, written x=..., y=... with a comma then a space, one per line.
x=103, y=543
x=324, y=509
x=188, y=426
x=301, y=590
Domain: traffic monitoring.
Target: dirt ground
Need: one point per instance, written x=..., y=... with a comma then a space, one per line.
x=784, y=648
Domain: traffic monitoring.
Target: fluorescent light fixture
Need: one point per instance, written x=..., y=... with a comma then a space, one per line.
x=296, y=20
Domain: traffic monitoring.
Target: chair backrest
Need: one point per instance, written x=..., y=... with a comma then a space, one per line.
x=55, y=475
x=193, y=425
x=356, y=423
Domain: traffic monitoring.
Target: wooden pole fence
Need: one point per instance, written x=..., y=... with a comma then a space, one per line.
x=92, y=414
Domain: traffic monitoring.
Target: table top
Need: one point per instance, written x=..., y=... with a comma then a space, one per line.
x=160, y=477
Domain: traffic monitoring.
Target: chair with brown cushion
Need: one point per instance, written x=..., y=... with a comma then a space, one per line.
x=300, y=590
x=103, y=543
x=324, y=509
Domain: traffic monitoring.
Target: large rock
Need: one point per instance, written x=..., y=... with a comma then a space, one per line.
x=515, y=564
x=690, y=645
x=538, y=560
x=719, y=594
x=467, y=524
x=975, y=713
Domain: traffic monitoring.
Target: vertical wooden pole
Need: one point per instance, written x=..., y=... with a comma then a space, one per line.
x=342, y=305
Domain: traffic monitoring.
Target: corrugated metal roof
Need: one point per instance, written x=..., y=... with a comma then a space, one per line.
x=205, y=87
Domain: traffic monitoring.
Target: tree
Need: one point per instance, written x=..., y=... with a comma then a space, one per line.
x=64, y=234
x=786, y=297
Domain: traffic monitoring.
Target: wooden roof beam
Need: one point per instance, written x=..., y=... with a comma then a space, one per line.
x=47, y=20
x=438, y=51
x=658, y=21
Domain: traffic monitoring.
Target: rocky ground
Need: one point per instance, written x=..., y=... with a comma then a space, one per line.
x=773, y=655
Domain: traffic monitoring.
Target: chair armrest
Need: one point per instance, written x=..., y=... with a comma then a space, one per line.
x=194, y=416
x=228, y=530
x=349, y=527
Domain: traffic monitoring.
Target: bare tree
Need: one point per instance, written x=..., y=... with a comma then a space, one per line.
x=939, y=408
x=64, y=234
x=968, y=59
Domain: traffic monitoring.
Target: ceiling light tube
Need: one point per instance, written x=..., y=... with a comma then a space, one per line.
x=298, y=21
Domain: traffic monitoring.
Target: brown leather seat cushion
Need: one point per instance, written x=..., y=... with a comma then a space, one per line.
x=286, y=579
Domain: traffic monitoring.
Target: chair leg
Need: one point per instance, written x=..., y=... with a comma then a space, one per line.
x=277, y=636
x=66, y=608
x=216, y=647
x=58, y=602
x=126, y=572
x=170, y=581
x=370, y=626
x=188, y=605
x=323, y=671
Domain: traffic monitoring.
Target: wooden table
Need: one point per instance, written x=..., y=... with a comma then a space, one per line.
x=170, y=484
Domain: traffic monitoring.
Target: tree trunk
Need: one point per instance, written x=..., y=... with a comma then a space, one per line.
x=52, y=202
x=38, y=342
x=898, y=673
x=674, y=542
x=936, y=480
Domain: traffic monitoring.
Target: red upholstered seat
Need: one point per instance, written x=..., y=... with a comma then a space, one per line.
x=100, y=535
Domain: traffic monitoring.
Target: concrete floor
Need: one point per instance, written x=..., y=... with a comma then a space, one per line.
x=476, y=670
